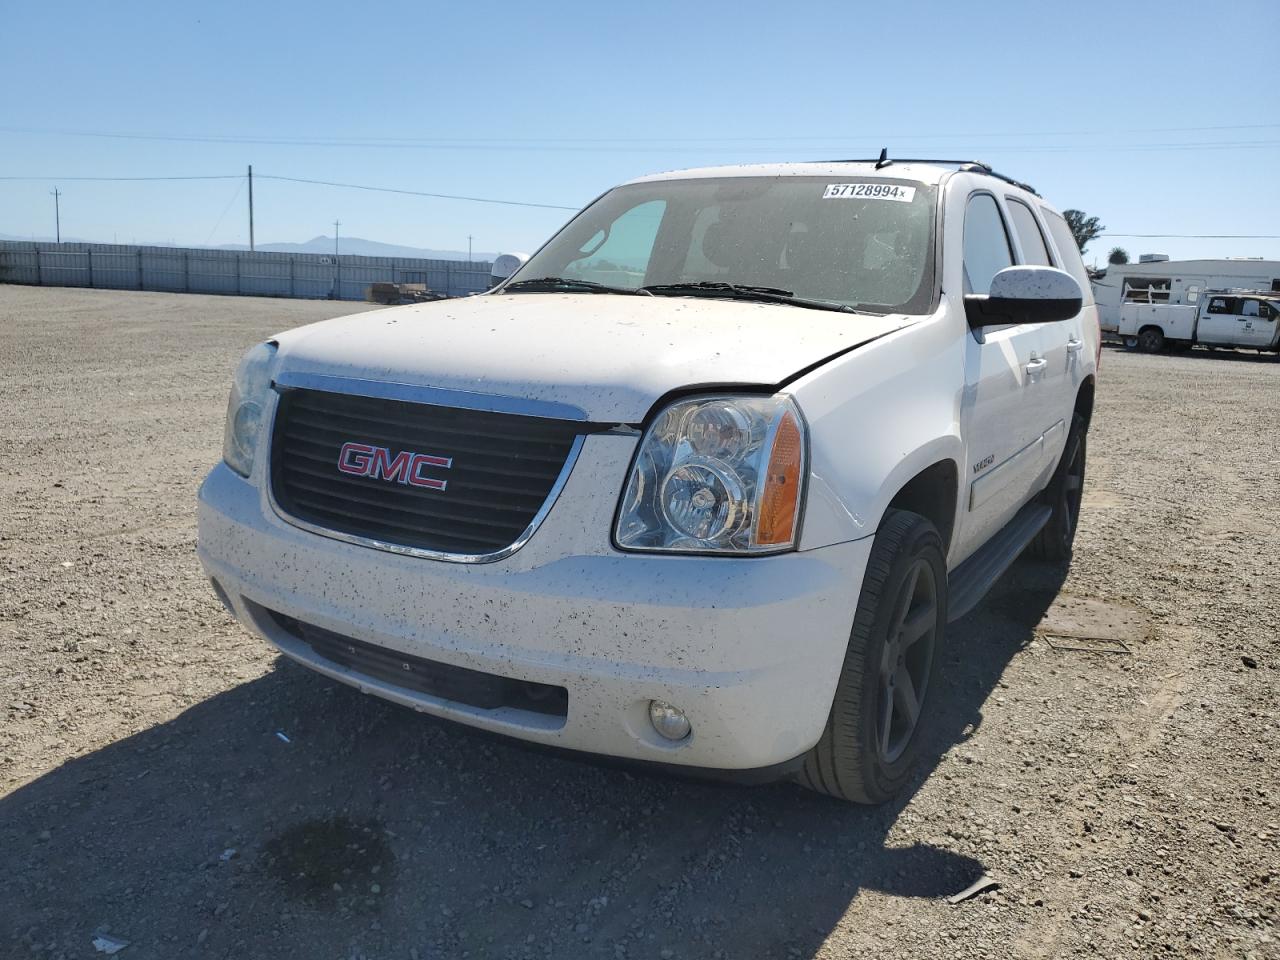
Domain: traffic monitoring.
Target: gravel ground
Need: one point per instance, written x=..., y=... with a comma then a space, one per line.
x=1126, y=802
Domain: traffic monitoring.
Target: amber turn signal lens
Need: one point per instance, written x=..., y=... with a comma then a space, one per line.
x=780, y=491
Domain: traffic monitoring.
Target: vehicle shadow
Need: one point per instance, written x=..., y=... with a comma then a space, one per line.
x=375, y=831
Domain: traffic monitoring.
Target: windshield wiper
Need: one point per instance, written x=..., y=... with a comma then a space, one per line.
x=744, y=291
x=543, y=284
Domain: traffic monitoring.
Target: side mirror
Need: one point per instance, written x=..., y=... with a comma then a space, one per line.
x=1025, y=295
x=505, y=265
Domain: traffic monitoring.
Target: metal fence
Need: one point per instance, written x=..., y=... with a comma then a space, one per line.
x=186, y=270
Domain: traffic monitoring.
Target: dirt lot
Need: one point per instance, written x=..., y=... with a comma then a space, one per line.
x=1127, y=801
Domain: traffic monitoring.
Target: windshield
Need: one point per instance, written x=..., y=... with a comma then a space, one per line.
x=856, y=241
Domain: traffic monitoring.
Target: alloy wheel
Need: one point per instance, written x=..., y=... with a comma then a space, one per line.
x=907, y=660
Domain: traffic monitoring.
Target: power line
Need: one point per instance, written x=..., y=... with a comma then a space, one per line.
x=504, y=142
x=228, y=176
x=417, y=193
x=239, y=187
x=770, y=149
x=546, y=206
x=322, y=183
x=1193, y=236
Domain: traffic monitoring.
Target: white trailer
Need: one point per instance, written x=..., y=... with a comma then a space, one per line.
x=1173, y=282
x=1222, y=318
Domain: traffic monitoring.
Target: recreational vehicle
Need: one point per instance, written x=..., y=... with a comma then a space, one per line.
x=1165, y=281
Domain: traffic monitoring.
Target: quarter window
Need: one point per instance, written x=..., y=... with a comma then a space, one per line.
x=1034, y=250
x=618, y=254
x=1068, y=252
x=986, y=243
x=1226, y=305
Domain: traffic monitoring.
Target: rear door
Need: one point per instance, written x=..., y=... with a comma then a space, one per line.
x=1006, y=381
x=1218, y=322
x=1063, y=340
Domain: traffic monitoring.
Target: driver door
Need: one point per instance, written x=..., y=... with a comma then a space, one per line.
x=1256, y=323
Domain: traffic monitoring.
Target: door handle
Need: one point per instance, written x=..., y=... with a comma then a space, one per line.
x=1035, y=365
x=1074, y=345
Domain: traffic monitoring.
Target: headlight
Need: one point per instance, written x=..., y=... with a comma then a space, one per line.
x=246, y=408
x=717, y=474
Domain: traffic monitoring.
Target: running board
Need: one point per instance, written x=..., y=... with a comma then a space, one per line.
x=968, y=583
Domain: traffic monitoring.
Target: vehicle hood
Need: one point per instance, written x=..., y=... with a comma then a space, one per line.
x=609, y=356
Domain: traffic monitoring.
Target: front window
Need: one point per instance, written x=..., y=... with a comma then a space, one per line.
x=857, y=242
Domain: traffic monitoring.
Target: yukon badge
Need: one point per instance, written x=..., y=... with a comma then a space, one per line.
x=365, y=460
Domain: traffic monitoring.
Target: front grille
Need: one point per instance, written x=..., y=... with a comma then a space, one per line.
x=503, y=469
x=487, y=691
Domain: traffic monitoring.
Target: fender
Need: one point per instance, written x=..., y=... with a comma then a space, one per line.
x=870, y=435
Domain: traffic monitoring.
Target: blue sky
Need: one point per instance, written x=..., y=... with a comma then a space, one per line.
x=1104, y=107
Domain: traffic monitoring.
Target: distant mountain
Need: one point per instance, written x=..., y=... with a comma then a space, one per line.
x=31, y=239
x=356, y=246
x=350, y=246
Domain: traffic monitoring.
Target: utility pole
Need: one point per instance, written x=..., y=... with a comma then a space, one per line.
x=336, y=225
x=468, y=248
x=251, y=208
x=57, y=214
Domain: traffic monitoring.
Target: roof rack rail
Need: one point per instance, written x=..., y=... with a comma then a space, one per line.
x=967, y=166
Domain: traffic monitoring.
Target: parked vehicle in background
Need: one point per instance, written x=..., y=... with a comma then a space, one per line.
x=393, y=294
x=505, y=265
x=1156, y=279
x=1222, y=318
x=700, y=485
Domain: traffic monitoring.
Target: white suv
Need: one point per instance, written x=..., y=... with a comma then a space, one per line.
x=700, y=484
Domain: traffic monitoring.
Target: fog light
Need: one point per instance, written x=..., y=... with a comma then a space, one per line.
x=668, y=721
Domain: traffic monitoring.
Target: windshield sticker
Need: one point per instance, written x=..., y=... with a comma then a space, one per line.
x=869, y=191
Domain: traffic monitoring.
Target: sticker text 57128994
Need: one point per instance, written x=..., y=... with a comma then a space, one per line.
x=869, y=191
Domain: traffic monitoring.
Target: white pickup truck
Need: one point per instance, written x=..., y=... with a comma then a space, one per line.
x=1222, y=318
x=701, y=484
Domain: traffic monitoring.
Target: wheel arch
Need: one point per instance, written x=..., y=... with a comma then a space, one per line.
x=933, y=493
x=1084, y=400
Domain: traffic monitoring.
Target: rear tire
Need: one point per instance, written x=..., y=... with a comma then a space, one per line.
x=1064, y=494
x=1131, y=343
x=1151, y=340
x=882, y=701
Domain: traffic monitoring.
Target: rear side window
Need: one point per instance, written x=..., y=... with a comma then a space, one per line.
x=1034, y=249
x=1068, y=252
x=986, y=243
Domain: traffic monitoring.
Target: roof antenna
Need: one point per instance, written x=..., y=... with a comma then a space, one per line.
x=884, y=160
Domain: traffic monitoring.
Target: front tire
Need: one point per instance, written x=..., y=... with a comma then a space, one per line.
x=872, y=736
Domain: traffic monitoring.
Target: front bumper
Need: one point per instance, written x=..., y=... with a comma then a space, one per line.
x=750, y=648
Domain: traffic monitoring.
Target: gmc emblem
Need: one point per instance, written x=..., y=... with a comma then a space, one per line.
x=364, y=460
